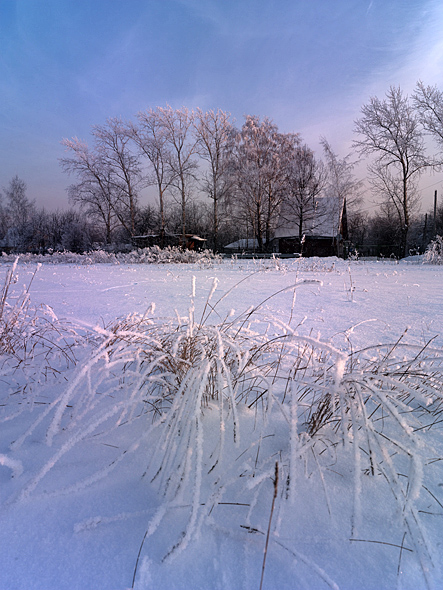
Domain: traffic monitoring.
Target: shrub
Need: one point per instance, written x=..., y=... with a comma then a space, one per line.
x=152, y=255
x=434, y=252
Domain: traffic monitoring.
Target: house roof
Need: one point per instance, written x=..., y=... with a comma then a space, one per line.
x=244, y=243
x=328, y=225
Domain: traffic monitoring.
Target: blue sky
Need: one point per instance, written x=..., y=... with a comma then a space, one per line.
x=309, y=65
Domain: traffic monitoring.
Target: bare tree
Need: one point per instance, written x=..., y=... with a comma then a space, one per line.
x=390, y=188
x=177, y=125
x=150, y=135
x=95, y=191
x=147, y=220
x=112, y=144
x=342, y=190
x=428, y=101
x=89, y=196
x=304, y=204
x=214, y=133
x=391, y=130
x=358, y=227
x=383, y=231
x=75, y=232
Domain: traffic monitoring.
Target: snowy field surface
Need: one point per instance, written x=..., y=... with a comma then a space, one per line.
x=232, y=425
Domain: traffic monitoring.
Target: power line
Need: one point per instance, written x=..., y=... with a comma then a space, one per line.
x=430, y=186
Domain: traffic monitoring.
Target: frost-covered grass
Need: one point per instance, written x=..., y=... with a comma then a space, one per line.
x=28, y=333
x=253, y=431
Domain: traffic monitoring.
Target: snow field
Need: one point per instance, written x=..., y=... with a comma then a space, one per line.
x=329, y=370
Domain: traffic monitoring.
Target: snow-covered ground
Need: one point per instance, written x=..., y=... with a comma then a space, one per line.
x=87, y=501
x=389, y=297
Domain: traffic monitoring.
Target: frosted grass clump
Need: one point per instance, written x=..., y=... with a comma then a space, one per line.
x=27, y=332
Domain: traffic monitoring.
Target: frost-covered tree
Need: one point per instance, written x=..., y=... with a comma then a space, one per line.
x=147, y=220
x=257, y=161
x=390, y=130
x=383, y=231
x=18, y=214
x=75, y=234
x=439, y=220
x=358, y=222
x=434, y=251
x=198, y=217
x=18, y=207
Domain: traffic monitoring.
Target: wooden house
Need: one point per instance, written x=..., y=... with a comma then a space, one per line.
x=324, y=236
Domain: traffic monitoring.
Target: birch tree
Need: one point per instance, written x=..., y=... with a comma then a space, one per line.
x=256, y=166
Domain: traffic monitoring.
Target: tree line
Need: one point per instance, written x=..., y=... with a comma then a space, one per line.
x=224, y=183
x=252, y=178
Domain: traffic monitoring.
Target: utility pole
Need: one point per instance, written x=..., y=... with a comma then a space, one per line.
x=425, y=233
x=435, y=215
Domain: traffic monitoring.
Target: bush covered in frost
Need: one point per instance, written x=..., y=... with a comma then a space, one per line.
x=434, y=252
x=152, y=255
x=171, y=254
